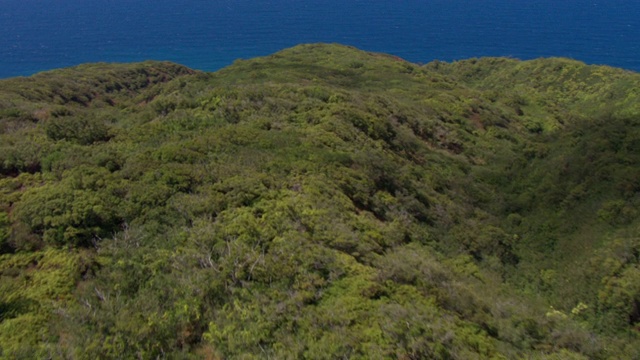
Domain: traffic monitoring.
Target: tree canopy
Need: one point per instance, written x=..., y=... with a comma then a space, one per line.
x=321, y=202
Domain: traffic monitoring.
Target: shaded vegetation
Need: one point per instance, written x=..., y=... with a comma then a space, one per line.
x=321, y=203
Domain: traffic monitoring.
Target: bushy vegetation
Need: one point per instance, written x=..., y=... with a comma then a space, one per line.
x=322, y=202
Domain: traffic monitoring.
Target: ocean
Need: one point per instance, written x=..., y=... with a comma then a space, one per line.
x=37, y=35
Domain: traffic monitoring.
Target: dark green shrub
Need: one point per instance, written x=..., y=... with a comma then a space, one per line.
x=82, y=130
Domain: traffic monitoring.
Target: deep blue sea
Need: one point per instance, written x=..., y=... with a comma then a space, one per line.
x=37, y=35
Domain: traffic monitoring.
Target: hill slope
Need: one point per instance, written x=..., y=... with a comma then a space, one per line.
x=321, y=202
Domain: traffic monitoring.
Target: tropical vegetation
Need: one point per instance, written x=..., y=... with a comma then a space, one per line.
x=321, y=203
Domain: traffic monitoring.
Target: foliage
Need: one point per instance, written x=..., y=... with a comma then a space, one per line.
x=321, y=202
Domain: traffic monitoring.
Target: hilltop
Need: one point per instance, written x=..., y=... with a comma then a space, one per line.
x=321, y=202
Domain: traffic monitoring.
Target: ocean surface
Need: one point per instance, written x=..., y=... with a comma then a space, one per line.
x=37, y=35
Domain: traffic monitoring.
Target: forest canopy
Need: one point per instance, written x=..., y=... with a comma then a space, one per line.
x=322, y=202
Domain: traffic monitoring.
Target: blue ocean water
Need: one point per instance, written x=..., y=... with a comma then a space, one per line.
x=37, y=35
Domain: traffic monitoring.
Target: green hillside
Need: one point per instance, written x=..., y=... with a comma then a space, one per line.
x=321, y=203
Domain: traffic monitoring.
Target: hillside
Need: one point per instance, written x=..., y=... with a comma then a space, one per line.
x=322, y=202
